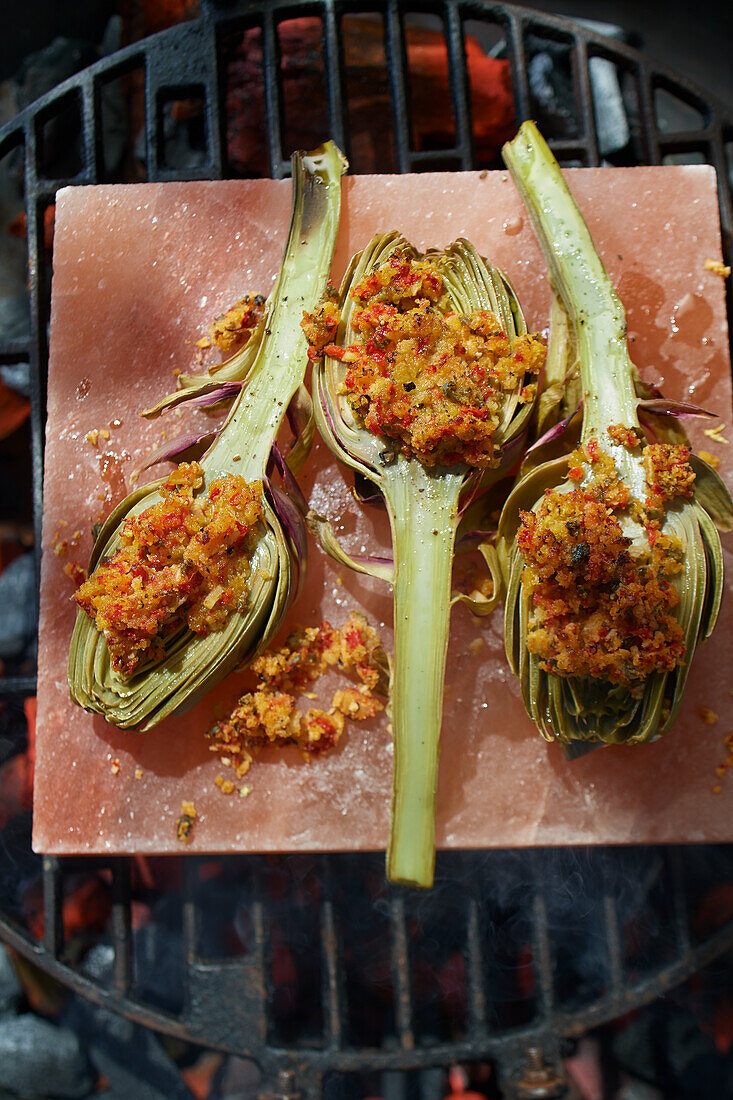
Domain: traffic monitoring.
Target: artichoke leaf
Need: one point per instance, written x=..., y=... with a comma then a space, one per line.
x=192, y=664
x=424, y=506
x=323, y=531
x=574, y=708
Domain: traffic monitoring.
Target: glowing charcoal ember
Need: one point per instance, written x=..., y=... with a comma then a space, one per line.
x=121, y=322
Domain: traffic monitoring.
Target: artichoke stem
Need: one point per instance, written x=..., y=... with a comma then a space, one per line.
x=424, y=514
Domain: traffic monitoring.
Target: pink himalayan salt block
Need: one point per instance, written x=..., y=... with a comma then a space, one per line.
x=123, y=318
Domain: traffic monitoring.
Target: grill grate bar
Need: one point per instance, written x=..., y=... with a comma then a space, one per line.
x=273, y=101
x=475, y=970
x=122, y=925
x=434, y=156
x=18, y=685
x=394, y=48
x=725, y=196
x=401, y=972
x=679, y=900
x=584, y=102
x=332, y=994
x=37, y=347
x=13, y=350
x=514, y=26
x=333, y=55
x=458, y=75
x=89, y=129
x=614, y=944
x=542, y=957
x=647, y=117
x=683, y=140
x=53, y=913
x=153, y=136
x=215, y=133
x=189, y=912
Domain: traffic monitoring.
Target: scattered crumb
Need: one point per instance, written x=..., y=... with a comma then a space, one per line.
x=93, y=436
x=103, y=433
x=717, y=267
x=237, y=322
x=625, y=437
x=115, y=766
x=269, y=715
x=476, y=646
x=721, y=769
x=204, y=342
x=708, y=716
x=716, y=434
x=355, y=704
x=717, y=788
x=186, y=822
x=76, y=572
x=138, y=773
x=711, y=459
x=60, y=548
x=340, y=580
x=236, y=458
x=244, y=791
x=177, y=371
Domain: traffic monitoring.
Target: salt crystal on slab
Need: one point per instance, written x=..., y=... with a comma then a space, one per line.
x=139, y=273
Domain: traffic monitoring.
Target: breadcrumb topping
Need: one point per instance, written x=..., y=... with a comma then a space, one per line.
x=183, y=560
x=237, y=323
x=626, y=437
x=269, y=715
x=718, y=268
x=668, y=472
x=601, y=607
x=431, y=380
x=186, y=822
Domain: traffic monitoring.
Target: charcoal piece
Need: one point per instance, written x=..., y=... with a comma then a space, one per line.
x=43, y=70
x=15, y=318
x=16, y=375
x=41, y=1061
x=10, y=987
x=159, y=956
x=17, y=607
x=236, y=1079
x=129, y=1056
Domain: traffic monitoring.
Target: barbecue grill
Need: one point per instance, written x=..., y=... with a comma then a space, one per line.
x=356, y=943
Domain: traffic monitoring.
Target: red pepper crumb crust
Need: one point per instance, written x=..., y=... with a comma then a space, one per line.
x=184, y=559
x=668, y=473
x=432, y=380
x=625, y=437
x=597, y=608
x=237, y=323
x=185, y=823
x=270, y=716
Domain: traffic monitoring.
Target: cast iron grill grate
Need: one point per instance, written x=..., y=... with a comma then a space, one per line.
x=229, y=999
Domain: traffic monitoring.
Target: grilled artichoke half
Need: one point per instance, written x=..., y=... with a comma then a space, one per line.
x=424, y=511
x=586, y=709
x=193, y=663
